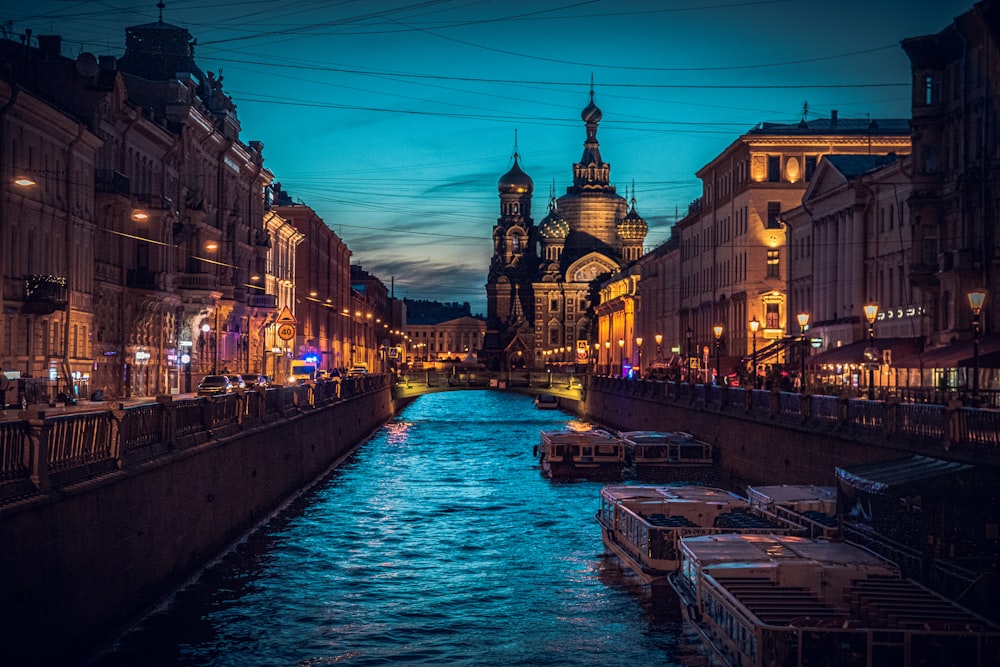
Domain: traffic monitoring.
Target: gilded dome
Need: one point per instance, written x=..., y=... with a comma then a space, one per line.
x=632, y=227
x=516, y=181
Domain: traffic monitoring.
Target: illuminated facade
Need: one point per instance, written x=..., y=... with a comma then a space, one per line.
x=733, y=248
x=539, y=285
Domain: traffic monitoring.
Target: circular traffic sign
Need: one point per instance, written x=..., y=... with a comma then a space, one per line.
x=286, y=331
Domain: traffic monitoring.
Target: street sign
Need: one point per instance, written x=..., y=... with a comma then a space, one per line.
x=286, y=331
x=286, y=317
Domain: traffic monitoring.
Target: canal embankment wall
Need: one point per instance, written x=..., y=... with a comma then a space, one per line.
x=83, y=560
x=764, y=437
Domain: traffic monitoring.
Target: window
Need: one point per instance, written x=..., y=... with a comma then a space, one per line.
x=773, y=168
x=553, y=336
x=554, y=305
x=515, y=243
x=773, y=214
x=772, y=316
x=773, y=263
x=932, y=89
x=810, y=167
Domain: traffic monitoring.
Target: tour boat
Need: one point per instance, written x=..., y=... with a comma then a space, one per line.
x=546, y=402
x=763, y=600
x=813, y=507
x=572, y=453
x=643, y=525
x=660, y=455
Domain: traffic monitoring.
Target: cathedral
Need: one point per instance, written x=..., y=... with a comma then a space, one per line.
x=538, y=289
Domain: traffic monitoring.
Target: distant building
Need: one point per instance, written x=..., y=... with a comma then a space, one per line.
x=422, y=311
x=539, y=284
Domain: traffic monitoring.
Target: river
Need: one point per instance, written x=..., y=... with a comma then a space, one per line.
x=438, y=542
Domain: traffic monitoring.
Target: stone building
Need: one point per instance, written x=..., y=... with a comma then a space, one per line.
x=539, y=286
x=733, y=243
x=322, y=287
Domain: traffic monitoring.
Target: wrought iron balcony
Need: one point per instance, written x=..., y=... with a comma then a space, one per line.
x=44, y=294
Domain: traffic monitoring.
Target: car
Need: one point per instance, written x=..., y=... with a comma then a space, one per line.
x=212, y=385
x=237, y=381
x=252, y=380
x=357, y=370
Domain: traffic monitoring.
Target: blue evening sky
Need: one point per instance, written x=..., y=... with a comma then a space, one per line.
x=394, y=119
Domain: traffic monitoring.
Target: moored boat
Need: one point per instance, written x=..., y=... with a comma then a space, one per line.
x=662, y=455
x=572, y=453
x=546, y=402
x=643, y=524
x=763, y=600
x=813, y=507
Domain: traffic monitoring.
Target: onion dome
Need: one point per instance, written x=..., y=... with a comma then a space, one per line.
x=515, y=181
x=591, y=113
x=552, y=226
x=632, y=227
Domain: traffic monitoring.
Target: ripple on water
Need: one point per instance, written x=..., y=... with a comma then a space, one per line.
x=437, y=542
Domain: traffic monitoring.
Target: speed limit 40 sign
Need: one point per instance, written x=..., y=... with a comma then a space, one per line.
x=286, y=331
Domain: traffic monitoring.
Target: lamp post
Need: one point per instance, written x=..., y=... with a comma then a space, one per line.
x=717, y=330
x=687, y=361
x=638, y=347
x=621, y=355
x=803, y=319
x=871, y=354
x=754, y=326
x=976, y=299
x=607, y=356
x=659, y=339
x=214, y=342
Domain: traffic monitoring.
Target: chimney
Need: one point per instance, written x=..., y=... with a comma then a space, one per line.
x=50, y=45
x=833, y=118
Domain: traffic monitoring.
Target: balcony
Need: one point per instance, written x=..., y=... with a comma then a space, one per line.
x=44, y=294
x=115, y=182
x=143, y=279
x=263, y=301
x=198, y=281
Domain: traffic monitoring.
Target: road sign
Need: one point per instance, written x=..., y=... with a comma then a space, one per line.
x=286, y=331
x=286, y=317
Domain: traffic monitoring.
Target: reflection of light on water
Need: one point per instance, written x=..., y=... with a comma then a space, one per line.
x=398, y=432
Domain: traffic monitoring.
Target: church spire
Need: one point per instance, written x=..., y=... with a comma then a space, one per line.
x=592, y=173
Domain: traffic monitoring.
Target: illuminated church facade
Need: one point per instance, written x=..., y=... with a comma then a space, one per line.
x=539, y=298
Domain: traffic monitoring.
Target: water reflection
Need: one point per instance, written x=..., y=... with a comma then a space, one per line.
x=437, y=542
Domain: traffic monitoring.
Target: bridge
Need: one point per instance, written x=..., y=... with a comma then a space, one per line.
x=563, y=385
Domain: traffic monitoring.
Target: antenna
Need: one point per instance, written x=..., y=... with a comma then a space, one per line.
x=805, y=109
x=160, y=6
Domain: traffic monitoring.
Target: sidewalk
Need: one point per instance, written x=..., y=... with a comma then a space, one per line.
x=13, y=413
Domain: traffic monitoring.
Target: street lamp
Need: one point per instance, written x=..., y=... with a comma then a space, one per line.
x=621, y=355
x=871, y=354
x=717, y=330
x=754, y=326
x=976, y=299
x=687, y=361
x=607, y=356
x=206, y=328
x=638, y=346
x=803, y=319
x=659, y=339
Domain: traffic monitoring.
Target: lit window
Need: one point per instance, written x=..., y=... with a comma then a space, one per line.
x=773, y=263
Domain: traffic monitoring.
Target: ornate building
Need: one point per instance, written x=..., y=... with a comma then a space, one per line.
x=539, y=285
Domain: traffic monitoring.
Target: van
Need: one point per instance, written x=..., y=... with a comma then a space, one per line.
x=301, y=372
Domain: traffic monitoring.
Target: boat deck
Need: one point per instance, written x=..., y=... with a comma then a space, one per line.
x=774, y=604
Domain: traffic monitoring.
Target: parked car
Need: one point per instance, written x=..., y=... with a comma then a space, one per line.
x=252, y=380
x=237, y=381
x=358, y=370
x=214, y=384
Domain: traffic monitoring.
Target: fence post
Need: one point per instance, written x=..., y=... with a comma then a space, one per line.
x=952, y=424
x=169, y=420
x=39, y=464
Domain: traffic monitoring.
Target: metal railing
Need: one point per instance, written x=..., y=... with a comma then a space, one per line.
x=40, y=454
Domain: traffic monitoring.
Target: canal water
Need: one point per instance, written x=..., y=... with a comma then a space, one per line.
x=438, y=542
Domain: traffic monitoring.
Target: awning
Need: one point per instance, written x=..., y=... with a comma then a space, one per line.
x=915, y=474
x=955, y=355
x=854, y=353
